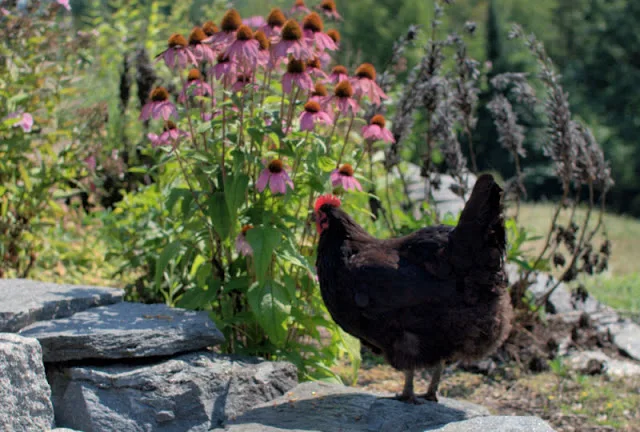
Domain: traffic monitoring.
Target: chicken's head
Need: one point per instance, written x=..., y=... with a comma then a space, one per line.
x=320, y=215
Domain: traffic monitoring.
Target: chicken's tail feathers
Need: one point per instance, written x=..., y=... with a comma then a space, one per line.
x=481, y=223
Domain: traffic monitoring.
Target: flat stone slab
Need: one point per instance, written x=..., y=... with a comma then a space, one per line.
x=193, y=392
x=315, y=406
x=497, y=424
x=626, y=336
x=124, y=330
x=23, y=301
x=25, y=403
x=595, y=362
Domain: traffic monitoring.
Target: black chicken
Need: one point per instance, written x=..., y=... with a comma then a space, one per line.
x=437, y=295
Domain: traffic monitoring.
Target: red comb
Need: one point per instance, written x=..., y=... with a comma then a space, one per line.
x=332, y=200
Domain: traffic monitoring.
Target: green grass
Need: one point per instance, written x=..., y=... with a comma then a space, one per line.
x=619, y=287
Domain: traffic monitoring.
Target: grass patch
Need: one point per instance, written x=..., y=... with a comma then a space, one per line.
x=623, y=231
x=619, y=292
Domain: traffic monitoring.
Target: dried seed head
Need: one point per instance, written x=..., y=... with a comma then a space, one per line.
x=314, y=63
x=366, y=70
x=210, y=28
x=244, y=33
x=313, y=22
x=328, y=6
x=262, y=40
x=340, y=70
x=276, y=166
x=291, y=31
x=276, y=18
x=197, y=36
x=320, y=90
x=378, y=120
x=169, y=125
x=312, y=107
x=244, y=78
x=334, y=35
x=296, y=66
x=223, y=58
x=159, y=94
x=344, y=89
x=194, y=75
x=231, y=21
x=177, y=41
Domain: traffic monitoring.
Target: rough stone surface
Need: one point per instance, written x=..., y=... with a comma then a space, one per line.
x=496, y=424
x=626, y=336
x=189, y=393
x=595, y=362
x=323, y=407
x=25, y=301
x=124, y=330
x=25, y=403
x=444, y=195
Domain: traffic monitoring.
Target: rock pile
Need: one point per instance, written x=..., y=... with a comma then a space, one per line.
x=84, y=360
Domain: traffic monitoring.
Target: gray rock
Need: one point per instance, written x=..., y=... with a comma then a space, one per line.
x=64, y=430
x=124, y=330
x=626, y=336
x=496, y=424
x=24, y=392
x=193, y=392
x=25, y=301
x=445, y=198
x=324, y=407
x=590, y=362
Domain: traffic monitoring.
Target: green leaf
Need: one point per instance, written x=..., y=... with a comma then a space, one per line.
x=166, y=256
x=199, y=297
x=219, y=213
x=326, y=164
x=236, y=193
x=24, y=175
x=270, y=304
x=263, y=241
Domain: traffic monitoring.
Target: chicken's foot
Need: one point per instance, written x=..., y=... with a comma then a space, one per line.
x=407, y=394
x=432, y=392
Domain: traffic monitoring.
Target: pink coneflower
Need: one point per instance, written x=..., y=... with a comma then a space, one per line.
x=314, y=68
x=313, y=114
x=335, y=36
x=338, y=74
x=242, y=81
x=365, y=83
x=225, y=71
x=158, y=106
x=276, y=177
x=376, y=131
x=299, y=7
x=231, y=22
x=328, y=7
x=343, y=97
x=195, y=86
x=91, y=163
x=263, y=50
x=313, y=26
x=242, y=245
x=255, y=22
x=25, y=121
x=171, y=136
x=244, y=50
x=296, y=73
x=210, y=28
x=202, y=53
x=177, y=54
x=291, y=42
x=275, y=22
x=64, y=4
x=344, y=177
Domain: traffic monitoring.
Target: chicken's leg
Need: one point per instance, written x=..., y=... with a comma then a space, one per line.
x=431, y=394
x=407, y=394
